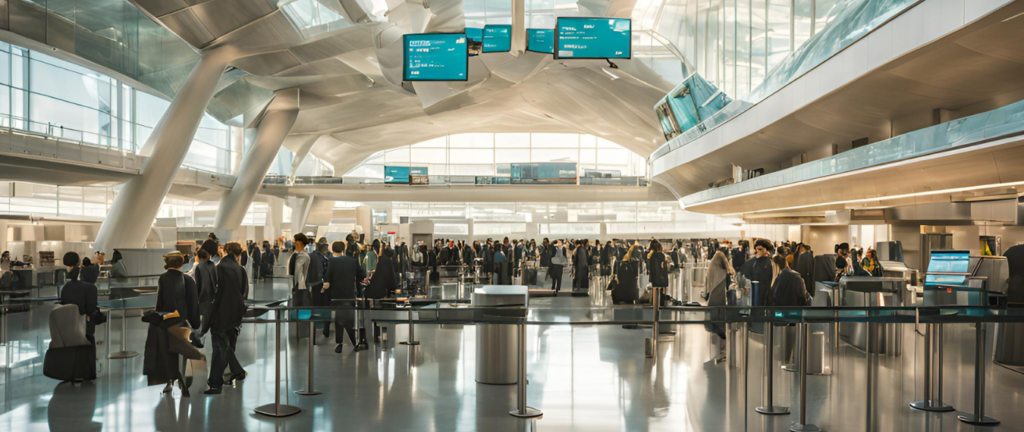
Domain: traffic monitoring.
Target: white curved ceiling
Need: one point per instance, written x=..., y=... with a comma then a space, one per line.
x=353, y=98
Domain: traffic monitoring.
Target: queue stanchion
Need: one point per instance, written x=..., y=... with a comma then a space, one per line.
x=978, y=418
x=276, y=409
x=933, y=373
x=651, y=347
x=522, y=410
x=124, y=353
x=767, y=382
x=802, y=425
x=309, y=368
x=411, y=341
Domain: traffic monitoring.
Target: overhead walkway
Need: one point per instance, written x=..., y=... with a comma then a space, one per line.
x=880, y=70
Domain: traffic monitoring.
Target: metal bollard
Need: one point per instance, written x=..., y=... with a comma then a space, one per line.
x=933, y=375
x=309, y=372
x=767, y=382
x=802, y=425
x=652, y=343
x=978, y=417
x=276, y=409
x=522, y=410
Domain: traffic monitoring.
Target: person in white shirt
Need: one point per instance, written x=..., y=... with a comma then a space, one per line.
x=299, y=264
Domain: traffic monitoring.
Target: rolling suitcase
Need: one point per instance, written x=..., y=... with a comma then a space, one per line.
x=530, y=276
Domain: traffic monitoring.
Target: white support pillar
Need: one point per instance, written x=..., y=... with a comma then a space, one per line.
x=518, y=26
x=469, y=231
x=136, y=205
x=364, y=218
x=273, y=129
x=302, y=152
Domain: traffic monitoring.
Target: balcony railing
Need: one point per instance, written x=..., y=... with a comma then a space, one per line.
x=999, y=123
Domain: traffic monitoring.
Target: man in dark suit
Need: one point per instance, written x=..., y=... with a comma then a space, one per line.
x=257, y=261
x=805, y=266
x=226, y=318
x=341, y=282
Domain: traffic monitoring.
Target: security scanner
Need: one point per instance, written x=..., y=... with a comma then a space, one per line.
x=897, y=269
x=867, y=291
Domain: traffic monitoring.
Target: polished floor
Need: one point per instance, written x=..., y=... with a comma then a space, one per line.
x=584, y=378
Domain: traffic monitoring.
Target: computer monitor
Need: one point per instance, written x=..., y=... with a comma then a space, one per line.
x=593, y=38
x=540, y=40
x=435, y=57
x=497, y=38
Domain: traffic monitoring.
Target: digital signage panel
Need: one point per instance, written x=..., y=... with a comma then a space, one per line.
x=593, y=38
x=435, y=57
x=497, y=38
x=540, y=40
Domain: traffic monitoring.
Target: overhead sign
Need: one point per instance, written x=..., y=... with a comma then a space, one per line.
x=435, y=57
x=497, y=38
x=593, y=38
x=540, y=40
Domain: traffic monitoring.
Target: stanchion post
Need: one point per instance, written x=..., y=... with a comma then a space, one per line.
x=932, y=375
x=802, y=425
x=652, y=346
x=276, y=409
x=309, y=369
x=978, y=418
x=412, y=331
x=769, y=407
x=522, y=410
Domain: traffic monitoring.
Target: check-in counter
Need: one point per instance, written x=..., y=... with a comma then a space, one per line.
x=866, y=291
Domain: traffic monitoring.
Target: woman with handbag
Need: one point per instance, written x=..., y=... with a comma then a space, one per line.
x=85, y=296
x=176, y=294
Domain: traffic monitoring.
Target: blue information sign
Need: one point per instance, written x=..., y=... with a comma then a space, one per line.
x=435, y=57
x=398, y=175
x=476, y=34
x=497, y=38
x=540, y=40
x=593, y=38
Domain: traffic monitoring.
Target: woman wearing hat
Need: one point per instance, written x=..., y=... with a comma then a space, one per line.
x=84, y=295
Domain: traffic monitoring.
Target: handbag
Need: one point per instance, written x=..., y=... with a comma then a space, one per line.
x=179, y=341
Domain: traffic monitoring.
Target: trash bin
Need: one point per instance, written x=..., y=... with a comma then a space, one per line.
x=496, y=349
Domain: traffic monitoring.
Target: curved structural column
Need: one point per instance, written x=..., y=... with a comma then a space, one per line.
x=136, y=205
x=271, y=134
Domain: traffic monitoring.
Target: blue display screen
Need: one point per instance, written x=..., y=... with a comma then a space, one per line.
x=476, y=34
x=593, y=38
x=949, y=261
x=540, y=40
x=398, y=175
x=497, y=38
x=435, y=57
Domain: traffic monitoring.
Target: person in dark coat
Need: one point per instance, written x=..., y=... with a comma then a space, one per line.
x=257, y=262
x=739, y=256
x=760, y=270
x=269, y=257
x=606, y=259
x=341, y=281
x=788, y=288
x=205, y=275
x=1015, y=289
x=84, y=295
x=89, y=272
x=226, y=318
x=176, y=292
x=627, y=279
x=805, y=267
x=488, y=256
x=382, y=281
x=501, y=267
x=658, y=265
x=581, y=264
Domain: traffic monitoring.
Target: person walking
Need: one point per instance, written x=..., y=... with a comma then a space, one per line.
x=716, y=283
x=205, y=274
x=341, y=283
x=298, y=268
x=226, y=318
x=658, y=267
x=558, y=262
x=176, y=292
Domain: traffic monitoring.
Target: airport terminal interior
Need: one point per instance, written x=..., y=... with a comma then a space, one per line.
x=512, y=215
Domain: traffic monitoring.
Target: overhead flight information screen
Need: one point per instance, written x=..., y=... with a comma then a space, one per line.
x=435, y=57
x=474, y=33
x=593, y=38
x=497, y=38
x=540, y=40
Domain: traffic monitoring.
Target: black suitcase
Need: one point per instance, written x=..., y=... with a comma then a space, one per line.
x=68, y=363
